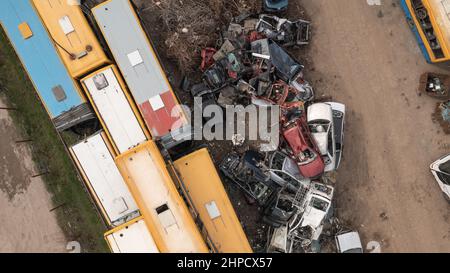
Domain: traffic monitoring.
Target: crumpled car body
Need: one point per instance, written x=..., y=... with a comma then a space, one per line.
x=303, y=148
x=245, y=170
x=287, y=68
x=283, y=31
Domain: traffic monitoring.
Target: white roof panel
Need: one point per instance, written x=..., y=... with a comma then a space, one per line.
x=133, y=238
x=114, y=109
x=97, y=164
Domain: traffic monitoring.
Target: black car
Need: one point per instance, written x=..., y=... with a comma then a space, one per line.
x=246, y=171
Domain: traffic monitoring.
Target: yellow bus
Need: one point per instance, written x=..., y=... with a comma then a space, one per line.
x=72, y=35
x=430, y=23
x=131, y=237
x=115, y=108
x=204, y=188
x=165, y=213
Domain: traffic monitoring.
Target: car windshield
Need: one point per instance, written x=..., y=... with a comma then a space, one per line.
x=319, y=204
x=306, y=156
x=319, y=126
x=444, y=174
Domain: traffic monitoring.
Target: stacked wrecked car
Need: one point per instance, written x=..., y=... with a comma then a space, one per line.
x=252, y=64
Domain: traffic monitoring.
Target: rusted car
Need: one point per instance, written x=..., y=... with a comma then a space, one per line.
x=303, y=148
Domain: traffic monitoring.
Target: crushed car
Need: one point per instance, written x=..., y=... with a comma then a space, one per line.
x=284, y=205
x=286, y=68
x=308, y=225
x=203, y=97
x=302, y=148
x=247, y=172
x=283, y=31
x=284, y=171
x=441, y=172
x=326, y=122
x=301, y=213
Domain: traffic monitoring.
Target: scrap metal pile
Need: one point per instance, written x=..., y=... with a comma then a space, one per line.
x=292, y=182
x=437, y=86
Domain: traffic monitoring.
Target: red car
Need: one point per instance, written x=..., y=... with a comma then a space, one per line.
x=303, y=148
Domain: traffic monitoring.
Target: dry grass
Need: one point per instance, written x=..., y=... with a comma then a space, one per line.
x=191, y=25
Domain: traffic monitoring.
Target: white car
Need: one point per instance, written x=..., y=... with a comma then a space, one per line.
x=326, y=122
x=349, y=242
x=441, y=171
x=284, y=171
x=317, y=205
x=315, y=208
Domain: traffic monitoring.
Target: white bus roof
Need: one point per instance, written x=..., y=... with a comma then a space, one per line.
x=114, y=108
x=96, y=163
x=133, y=237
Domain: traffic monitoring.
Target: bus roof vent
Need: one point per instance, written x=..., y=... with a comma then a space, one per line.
x=100, y=81
x=165, y=216
x=66, y=25
x=213, y=210
x=58, y=92
x=135, y=58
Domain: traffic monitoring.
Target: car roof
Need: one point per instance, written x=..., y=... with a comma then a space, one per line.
x=349, y=241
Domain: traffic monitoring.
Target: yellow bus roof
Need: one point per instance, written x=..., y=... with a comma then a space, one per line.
x=162, y=207
x=439, y=15
x=440, y=11
x=205, y=188
x=77, y=44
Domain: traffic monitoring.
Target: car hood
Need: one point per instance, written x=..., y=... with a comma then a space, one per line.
x=322, y=142
x=320, y=111
x=313, y=169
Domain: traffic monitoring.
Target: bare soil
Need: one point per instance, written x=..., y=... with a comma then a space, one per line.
x=366, y=57
x=27, y=223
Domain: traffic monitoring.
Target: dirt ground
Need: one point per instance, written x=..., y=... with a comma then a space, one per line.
x=27, y=223
x=366, y=57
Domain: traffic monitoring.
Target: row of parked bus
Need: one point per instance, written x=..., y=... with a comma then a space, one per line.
x=151, y=203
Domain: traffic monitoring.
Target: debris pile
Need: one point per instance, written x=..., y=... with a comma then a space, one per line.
x=442, y=115
x=251, y=64
x=435, y=85
x=191, y=25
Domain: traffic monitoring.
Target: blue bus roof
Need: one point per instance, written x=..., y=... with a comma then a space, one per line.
x=39, y=57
